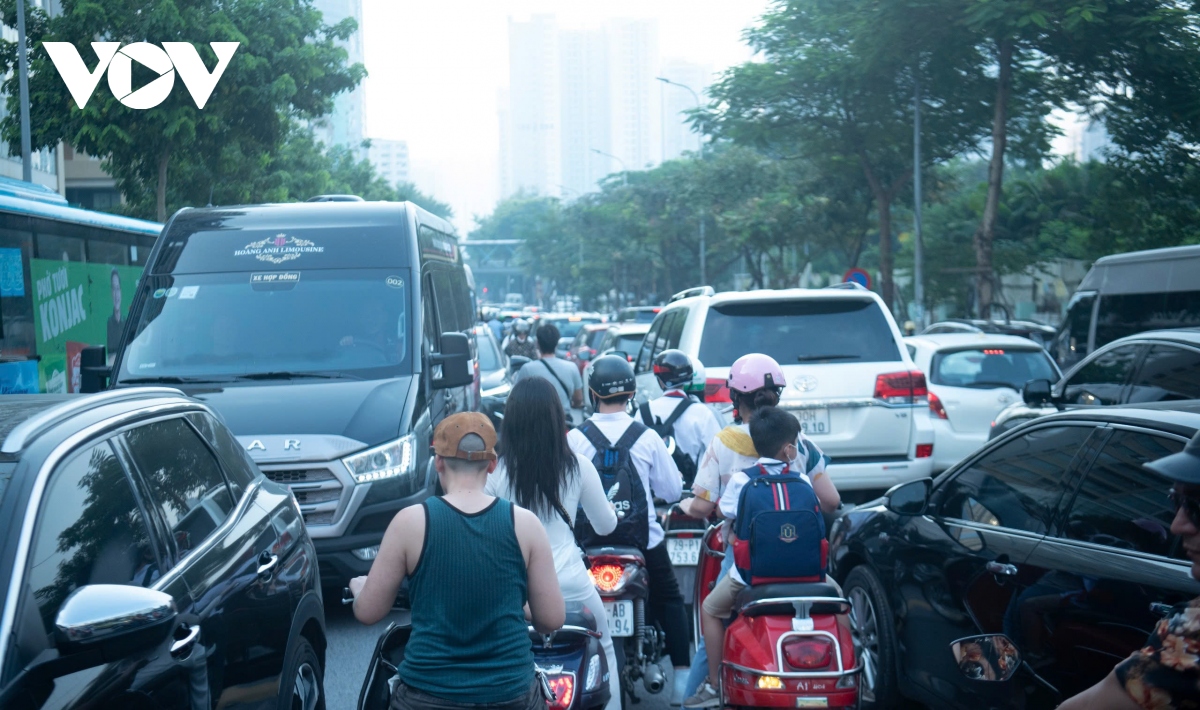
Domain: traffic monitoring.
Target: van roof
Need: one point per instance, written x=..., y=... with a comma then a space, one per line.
x=1151, y=271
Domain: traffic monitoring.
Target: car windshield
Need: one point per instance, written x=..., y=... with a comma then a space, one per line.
x=489, y=356
x=802, y=331
x=985, y=368
x=280, y=325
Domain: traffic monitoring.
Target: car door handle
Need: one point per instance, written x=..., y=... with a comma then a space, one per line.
x=1002, y=568
x=266, y=565
x=185, y=643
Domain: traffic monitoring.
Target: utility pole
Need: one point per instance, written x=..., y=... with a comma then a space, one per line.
x=23, y=82
x=703, y=250
x=918, y=241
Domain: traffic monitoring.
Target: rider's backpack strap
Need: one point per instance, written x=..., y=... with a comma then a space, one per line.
x=597, y=438
x=680, y=408
x=630, y=437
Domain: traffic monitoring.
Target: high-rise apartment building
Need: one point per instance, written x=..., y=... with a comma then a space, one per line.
x=534, y=107
x=633, y=92
x=586, y=111
x=346, y=124
x=678, y=136
x=390, y=160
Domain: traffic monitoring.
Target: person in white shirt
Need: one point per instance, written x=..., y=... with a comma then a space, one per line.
x=755, y=381
x=675, y=414
x=539, y=472
x=778, y=432
x=611, y=385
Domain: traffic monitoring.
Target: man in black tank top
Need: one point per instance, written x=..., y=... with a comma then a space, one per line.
x=473, y=563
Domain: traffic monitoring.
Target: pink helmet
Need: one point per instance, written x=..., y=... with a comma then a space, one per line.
x=754, y=372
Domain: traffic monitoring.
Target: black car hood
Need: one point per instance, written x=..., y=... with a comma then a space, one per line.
x=367, y=411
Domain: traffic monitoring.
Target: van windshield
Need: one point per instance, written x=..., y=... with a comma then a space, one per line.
x=319, y=323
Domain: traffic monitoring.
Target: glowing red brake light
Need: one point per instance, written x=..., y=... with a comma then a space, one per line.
x=808, y=654
x=716, y=390
x=607, y=578
x=993, y=352
x=563, y=685
x=936, y=408
x=901, y=387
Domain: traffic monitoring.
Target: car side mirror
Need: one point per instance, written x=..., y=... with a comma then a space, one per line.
x=114, y=619
x=452, y=365
x=516, y=362
x=909, y=498
x=1037, y=393
x=94, y=371
x=988, y=658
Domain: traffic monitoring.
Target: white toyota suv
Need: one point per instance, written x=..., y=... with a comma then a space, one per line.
x=851, y=382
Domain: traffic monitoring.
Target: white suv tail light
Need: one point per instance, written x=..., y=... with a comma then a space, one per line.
x=902, y=387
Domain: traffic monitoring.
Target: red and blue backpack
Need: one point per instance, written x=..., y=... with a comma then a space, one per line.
x=780, y=530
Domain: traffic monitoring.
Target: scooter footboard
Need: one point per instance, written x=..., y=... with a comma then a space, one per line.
x=779, y=650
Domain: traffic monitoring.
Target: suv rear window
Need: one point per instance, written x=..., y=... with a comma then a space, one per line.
x=807, y=331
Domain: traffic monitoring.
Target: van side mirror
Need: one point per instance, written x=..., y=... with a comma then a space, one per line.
x=909, y=498
x=452, y=365
x=988, y=658
x=115, y=620
x=1037, y=393
x=94, y=371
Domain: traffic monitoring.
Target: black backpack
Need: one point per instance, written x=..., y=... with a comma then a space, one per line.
x=616, y=468
x=683, y=460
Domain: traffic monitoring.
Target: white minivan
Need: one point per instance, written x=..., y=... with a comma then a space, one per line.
x=851, y=382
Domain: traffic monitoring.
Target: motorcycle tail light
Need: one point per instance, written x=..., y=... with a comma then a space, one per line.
x=563, y=685
x=769, y=682
x=593, y=674
x=808, y=654
x=607, y=578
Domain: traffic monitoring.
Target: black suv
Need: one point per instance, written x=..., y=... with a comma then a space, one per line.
x=1054, y=535
x=145, y=562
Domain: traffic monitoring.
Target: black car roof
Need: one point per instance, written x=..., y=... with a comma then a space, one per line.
x=1181, y=418
x=24, y=418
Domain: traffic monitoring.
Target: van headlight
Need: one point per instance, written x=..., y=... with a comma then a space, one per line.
x=389, y=460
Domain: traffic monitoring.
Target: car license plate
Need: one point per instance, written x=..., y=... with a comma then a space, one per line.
x=620, y=618
x=684, y=551
x=813, y=421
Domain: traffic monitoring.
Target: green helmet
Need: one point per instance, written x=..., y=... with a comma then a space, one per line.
x=696, y=386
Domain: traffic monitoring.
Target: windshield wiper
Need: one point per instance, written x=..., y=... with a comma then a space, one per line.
x=173, y=380
x=286, y=375
x=835, y=356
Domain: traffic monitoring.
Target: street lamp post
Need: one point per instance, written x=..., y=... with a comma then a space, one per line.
x=624, y=168
x=23, y=84
x=703, y=245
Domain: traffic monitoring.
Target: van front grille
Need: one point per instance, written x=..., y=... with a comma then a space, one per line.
x=300, y=475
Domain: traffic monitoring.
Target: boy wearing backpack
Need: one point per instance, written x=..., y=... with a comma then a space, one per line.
x=674, y=414
x=769, y=493
x=634, y=466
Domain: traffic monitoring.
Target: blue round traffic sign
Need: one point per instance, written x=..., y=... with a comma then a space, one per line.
x=858, y=276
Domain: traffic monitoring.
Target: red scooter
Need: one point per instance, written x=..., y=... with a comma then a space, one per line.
x=789, y=645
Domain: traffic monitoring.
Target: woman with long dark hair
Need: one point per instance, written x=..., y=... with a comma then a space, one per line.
x=539, y=472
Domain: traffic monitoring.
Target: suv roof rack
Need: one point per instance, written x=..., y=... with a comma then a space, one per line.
x=27, y=430
x=852, y=285
x=335, y=198
x=691, y=292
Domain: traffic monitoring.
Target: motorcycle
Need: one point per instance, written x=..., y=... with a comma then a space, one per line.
x=570, y=662
x=789, y=645
x=684, y=536
x=622, y=580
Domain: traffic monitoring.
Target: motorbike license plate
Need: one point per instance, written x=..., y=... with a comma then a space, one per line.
x=684, y=551
x=620, y=618
x=813, y=421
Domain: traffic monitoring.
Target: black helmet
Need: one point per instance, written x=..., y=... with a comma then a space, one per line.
x=1183, y=467
x=673, y=368
x=611, y=375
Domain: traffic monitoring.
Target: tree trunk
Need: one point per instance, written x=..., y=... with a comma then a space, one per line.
x=161, y=197
x=984, y=274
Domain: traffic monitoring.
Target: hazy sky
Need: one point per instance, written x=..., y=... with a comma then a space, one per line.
x=435, y=68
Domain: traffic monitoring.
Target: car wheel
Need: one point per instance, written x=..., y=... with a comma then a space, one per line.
x=873, y=628
x=302, y=685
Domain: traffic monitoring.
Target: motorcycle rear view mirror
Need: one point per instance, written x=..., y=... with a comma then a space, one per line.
x=516, y=362
x=993, y=657
x=909, y=498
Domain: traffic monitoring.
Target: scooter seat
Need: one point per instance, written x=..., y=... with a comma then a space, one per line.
x=579, y=615
x=762, y=592
x=616, y=550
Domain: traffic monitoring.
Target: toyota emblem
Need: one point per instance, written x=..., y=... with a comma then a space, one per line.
x=806, y=383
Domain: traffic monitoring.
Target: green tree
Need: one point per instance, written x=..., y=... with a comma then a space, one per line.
x=287, y=65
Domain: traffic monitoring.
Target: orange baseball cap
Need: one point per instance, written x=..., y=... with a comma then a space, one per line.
x=452, y=429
